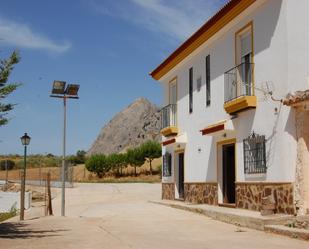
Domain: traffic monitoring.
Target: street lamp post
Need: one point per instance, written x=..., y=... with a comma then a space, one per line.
x=60, y=90
x=25, y=140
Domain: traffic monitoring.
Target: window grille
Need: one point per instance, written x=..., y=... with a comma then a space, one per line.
x=255, y=154
x=167, y=164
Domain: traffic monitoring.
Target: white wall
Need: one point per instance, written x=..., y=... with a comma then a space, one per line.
x=12, y=199
x=274, y=33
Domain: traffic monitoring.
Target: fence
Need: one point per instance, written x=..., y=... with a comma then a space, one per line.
x=36, y=176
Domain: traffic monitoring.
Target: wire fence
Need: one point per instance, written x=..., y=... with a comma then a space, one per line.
x=37, y=176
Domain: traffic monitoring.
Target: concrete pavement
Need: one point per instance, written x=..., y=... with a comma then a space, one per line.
x=115, y=216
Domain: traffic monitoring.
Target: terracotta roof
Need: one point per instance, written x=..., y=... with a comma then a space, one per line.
x=226, y=14
x=296, y=98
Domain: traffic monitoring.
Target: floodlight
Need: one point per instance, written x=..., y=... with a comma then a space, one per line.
x=58, y=87
x=72, y=89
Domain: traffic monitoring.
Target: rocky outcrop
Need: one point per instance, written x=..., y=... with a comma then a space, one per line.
x=138, y=122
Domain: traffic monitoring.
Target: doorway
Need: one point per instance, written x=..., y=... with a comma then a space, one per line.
x=228, y=173
x=179, y=175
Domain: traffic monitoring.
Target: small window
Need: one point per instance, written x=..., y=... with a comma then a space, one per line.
x=167, y=164
x=207, y=80
x=191, y=90
x=255, y=154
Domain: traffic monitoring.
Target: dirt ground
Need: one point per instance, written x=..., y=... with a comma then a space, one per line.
x=119, y=216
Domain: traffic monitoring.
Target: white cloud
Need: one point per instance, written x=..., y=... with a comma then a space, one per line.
x=21, y=35
x=176, y=19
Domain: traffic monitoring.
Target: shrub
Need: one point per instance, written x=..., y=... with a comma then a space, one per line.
x=7, y=163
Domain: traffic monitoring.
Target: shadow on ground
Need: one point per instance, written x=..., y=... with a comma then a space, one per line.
x=13, y=230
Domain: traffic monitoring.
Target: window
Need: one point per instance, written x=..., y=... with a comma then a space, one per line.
x=191, y=90
x=255, y=154
x=244, y=59
x=167, y=164
x=173, y=92
x=208, y=80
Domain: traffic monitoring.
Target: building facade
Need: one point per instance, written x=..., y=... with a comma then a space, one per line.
x=229, y=134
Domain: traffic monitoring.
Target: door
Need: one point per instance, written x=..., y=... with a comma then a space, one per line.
x=181, y=175
x=228, y=173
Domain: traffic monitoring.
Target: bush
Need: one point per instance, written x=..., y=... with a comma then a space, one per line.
x=10, y=164
x=98, y=164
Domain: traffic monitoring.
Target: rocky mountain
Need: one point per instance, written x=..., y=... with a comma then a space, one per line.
x=138, y=122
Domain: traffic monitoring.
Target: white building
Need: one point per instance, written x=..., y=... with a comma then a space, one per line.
x=229, y=133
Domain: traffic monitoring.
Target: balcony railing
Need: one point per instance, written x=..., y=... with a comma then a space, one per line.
x=168, y=116
x=238, y=82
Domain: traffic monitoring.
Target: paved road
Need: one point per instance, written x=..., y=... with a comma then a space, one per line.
x=115, y=216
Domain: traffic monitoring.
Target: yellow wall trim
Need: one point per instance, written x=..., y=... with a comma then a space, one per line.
x=169, y=131
x=240, y=104
x=209, y=29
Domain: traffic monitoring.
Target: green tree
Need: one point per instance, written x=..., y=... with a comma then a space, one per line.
x=114, y=163
x=123, y=161
x=98, y=164
x=79, y=158
x=6, y=67
x=151, y=149
x=135, y=158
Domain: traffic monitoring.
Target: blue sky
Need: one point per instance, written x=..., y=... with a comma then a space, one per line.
x=106, y=46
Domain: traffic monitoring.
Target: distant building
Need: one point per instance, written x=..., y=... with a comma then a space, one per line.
x=231, y=134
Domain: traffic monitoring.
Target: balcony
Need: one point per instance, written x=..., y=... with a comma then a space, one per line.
x=169, y=120
x=238, y=89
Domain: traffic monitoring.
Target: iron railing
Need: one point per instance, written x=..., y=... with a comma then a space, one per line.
x=238, y=81
x=168, y=115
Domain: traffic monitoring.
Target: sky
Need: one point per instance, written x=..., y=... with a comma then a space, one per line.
x=107, y=46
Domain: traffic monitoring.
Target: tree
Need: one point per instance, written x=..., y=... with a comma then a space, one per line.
x=98, y=164
x=151, y=149
x=114, y=162
x=123, y=161
x=135, y=158
x=6, y=67
x=79, y=158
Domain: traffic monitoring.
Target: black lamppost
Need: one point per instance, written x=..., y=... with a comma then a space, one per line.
x=70, y=92
x=25, y=140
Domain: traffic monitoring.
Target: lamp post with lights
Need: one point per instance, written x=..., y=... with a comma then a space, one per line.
x=25, y=140
x=60, y=90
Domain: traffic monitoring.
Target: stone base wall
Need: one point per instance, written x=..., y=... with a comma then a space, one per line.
x=168, y=191
x=249, y=196
x=198, y=193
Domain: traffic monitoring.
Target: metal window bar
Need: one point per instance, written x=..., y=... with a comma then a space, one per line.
x=255, y=154
x=168, y=116
x=238, y=81
x=167, y=164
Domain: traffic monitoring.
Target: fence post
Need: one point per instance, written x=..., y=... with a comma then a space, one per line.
x=7, y=175
x=45, y=196
x=50, y=208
